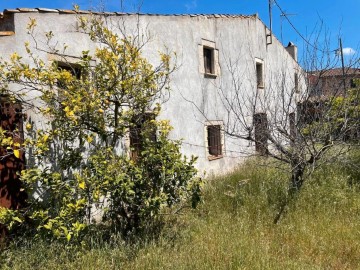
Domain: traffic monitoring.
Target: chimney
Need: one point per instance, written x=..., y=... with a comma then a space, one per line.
x=292, y=50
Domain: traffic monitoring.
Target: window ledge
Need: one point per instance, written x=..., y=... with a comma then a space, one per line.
x=260, y=86
x=210, y=75
x=6, y=33
x=210, y=158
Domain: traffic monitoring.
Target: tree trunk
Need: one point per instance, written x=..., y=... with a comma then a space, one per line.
x=296, y=182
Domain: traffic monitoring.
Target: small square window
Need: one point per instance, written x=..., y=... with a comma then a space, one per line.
x=259, y=74
x=73, y=69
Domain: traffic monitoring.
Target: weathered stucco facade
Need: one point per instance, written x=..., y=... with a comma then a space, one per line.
x=243, y=61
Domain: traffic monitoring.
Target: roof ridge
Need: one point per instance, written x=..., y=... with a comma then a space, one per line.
x=69, y=11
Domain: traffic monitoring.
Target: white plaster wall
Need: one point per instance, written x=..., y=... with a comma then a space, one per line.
x=194, y=99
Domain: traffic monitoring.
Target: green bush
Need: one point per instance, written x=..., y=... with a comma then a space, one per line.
x=79, y=161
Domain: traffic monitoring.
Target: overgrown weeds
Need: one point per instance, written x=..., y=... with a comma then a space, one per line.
x=232, y=229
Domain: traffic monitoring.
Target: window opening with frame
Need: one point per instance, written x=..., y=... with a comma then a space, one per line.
x=209, y=59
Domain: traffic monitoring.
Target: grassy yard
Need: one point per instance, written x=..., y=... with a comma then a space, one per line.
x=233, y=229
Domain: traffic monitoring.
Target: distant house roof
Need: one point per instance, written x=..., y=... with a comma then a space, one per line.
x=335, y=72
x=69, y=11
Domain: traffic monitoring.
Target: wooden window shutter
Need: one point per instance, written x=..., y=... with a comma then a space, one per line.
x=135, y=141
x=261, y=133
x=11, y=121
x=214, y=140
x=296, y=79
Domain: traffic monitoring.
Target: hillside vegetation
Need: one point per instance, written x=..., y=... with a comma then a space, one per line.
x=232, y=229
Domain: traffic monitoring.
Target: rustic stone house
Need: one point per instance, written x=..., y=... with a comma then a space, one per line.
x=209, y=49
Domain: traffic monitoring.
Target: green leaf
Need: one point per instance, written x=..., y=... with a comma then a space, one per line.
x=68, y=237
x=48, y=226
x=17, y=219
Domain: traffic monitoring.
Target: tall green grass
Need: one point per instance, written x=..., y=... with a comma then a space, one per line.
x=233, y=229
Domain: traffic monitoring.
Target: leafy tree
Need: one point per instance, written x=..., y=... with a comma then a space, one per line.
x=345, y=113
x=78, y=162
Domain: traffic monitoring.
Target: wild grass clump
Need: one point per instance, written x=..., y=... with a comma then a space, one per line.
x=234, y=229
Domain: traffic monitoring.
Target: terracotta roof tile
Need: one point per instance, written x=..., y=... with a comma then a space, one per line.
x=11, y=10
x=109, y=13
x=48, y=10
x=25, y=10
x=68, y=11
x=94, y=12
x=84, y=12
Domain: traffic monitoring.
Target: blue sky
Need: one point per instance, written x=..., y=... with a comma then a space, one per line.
x=339, y=18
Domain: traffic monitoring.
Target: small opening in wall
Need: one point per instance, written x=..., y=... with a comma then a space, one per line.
x=73, y=69
x=209, y=60
x=296, y=82
x=259, y=75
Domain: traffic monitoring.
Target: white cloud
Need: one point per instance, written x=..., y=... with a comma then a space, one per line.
x=191, y=5
x=348, y=51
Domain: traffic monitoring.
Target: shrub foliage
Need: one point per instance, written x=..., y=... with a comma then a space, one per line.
x=78, y=161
